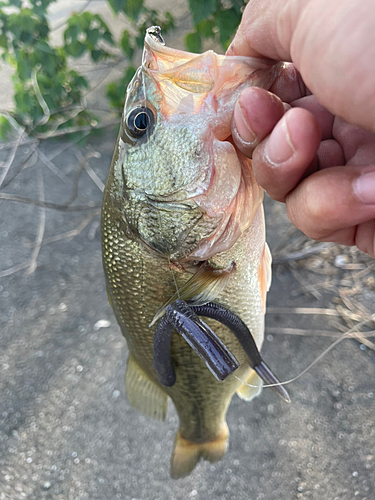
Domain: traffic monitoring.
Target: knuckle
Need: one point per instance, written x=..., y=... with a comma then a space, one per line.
x=311, y=215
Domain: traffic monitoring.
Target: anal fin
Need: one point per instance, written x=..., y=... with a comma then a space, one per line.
x=187, y=454
x=143, y=394
x=247, y=393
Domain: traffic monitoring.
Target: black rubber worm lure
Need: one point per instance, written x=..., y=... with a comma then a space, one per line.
x=185, y=320
x=182, y=318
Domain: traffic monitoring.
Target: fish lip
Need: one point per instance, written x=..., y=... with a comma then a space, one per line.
x=154, y=41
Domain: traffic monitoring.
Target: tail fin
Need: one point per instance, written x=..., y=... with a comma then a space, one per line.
x=187, y=454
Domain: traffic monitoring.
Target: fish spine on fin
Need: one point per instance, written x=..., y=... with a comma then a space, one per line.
x=143, y=394
x=186, y=454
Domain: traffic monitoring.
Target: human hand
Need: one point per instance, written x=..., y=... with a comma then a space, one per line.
x=321, y=166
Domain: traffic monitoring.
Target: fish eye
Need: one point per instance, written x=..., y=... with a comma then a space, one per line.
x=139, y=121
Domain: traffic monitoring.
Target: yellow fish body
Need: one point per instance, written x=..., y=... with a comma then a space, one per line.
x=182, y=217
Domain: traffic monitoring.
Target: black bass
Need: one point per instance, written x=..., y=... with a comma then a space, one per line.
x=183, y=218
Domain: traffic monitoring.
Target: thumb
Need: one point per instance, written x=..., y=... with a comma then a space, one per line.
x=330, y=43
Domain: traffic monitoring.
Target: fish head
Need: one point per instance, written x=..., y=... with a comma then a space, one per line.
x=186, y=191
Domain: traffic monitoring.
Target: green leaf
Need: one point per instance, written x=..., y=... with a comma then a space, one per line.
x=227, y=22
x=116, y=91
x=25, y=21
x=140, y=38
x=98, y=54
x=44, y=47
x=117, y=5
x=84, y=20
x=169, y=21
x=205, y=28
x=71, y=32
x=193, y=42
x=75, y=79
x=24, y=68
x=201, y=9
x=133, y=8
x=107, y=37
x=126, y=79
x=92, y=36
x=40, y=6
x=76, y=49
x=3, y=41
x=126, y=44
x=5, y=127
x=23, y=100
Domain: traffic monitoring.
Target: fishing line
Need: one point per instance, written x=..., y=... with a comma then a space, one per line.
x=321, y=356
x=174, y=278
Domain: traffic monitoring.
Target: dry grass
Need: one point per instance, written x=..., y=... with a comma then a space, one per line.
x=344, y=275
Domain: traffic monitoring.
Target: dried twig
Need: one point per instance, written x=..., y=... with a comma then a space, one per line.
x=29, y=162
x=65, y=179
x=301, y=254
x=306, y=286
x=53, y=206
x=315, y=333
x=108, y=73
x=75, y=183
x=73, y=130
x=68, y=235
x=67, y=146
x=40, y=233
x=40, y=98
x=14, y=269
x=302, y=310
x=9, y=163
x=90, y=172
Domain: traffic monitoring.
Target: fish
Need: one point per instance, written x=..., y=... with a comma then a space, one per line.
x=182, y=219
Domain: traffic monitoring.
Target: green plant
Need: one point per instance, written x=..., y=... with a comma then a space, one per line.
x=48, y=94
x=213, y=19
x=46, y=91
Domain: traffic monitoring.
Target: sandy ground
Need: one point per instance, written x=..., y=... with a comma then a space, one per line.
x=67, y=431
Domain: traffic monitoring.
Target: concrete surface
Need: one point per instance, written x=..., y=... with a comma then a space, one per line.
x=67, y=431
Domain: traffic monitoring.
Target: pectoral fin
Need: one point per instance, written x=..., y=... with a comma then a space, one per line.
x=143, y=394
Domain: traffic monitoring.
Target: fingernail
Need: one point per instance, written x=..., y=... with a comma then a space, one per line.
x=364, y=188
x=242, y=123
x=279, y=147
